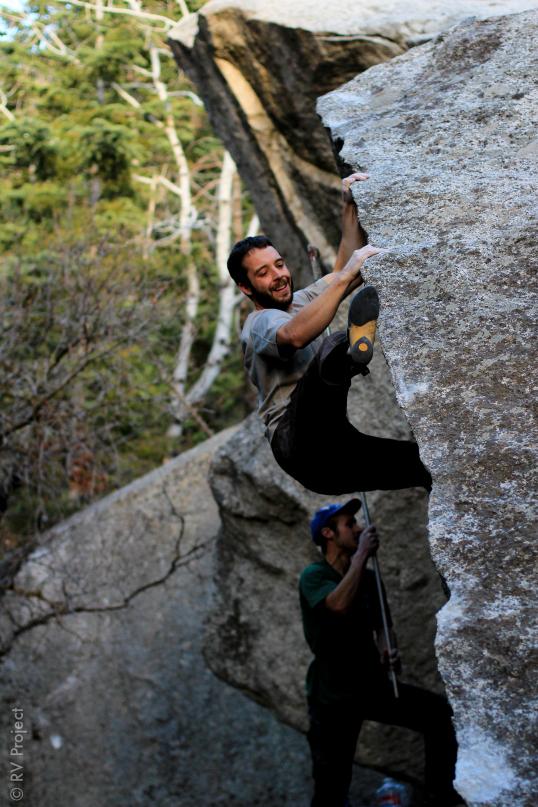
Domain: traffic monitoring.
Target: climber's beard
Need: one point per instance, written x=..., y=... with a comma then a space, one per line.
x=280, y=297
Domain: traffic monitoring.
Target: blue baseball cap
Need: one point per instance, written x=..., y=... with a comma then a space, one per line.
x=324, y=514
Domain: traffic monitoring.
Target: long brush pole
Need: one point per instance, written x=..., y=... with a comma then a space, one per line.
x=377, y=573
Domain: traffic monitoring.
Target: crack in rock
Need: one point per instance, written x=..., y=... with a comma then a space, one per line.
x=62, y=609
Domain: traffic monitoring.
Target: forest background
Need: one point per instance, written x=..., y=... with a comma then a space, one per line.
x=118, y=206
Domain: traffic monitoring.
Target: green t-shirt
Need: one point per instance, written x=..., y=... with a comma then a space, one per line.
x=345, y=653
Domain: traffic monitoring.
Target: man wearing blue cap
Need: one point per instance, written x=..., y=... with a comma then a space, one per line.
x=347, y=681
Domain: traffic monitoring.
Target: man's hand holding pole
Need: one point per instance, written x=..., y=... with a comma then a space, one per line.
x=367, y=545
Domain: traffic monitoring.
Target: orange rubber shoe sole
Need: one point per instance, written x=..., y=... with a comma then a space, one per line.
x=362, y=321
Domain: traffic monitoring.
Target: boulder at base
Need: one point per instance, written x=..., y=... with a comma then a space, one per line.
x=101, y=656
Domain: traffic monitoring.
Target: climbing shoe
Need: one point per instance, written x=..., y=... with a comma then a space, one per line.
x=361, y=324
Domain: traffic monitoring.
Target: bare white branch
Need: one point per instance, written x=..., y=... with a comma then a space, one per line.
x=142, y=15
x=43, y=35
x=170, y=186
x=130, y=99
x=183, y=6
x=142, y=70
x=4, y=109
x=220, y=347
x=187, y=94
x=254, y=226
x=61, y=46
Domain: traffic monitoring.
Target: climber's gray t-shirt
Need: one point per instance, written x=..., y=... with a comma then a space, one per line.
x=274, y=372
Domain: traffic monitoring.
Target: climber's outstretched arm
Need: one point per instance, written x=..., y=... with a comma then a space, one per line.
x=354, y=235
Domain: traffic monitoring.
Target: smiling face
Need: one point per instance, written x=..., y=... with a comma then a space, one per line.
x=270, y=284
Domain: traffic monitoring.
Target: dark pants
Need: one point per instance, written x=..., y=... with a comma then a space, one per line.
x=316, y=444
x=334, y=731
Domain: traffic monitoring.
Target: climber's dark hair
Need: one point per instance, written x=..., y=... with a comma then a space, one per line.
x=239, y=250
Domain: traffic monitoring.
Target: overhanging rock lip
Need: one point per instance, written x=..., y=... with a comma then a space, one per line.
x=186, y=31
x=402, y=21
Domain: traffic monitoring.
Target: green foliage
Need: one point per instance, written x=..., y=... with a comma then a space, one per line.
x=78, y=278
x=39, y=200
x=79, y=380
x=33, y=146
x=120, y=216
x=121, y=48
x=110, y=148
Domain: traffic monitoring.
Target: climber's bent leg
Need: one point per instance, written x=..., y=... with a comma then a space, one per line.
x=316, y=445
x=320, y=395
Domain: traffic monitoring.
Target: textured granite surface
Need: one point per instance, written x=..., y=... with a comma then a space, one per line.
x=448, y=134
x=101, y=650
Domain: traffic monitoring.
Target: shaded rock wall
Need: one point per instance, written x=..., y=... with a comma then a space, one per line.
x=448, y=134
x=101, y=649
x=259, y=67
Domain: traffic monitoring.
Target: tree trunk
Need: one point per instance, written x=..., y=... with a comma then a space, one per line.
x=227, y=298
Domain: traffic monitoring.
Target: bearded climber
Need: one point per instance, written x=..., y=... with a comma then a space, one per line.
x=303, y=377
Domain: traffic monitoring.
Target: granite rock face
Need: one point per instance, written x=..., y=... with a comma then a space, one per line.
x=448, y=134
x=101, y=650
x=259, y=67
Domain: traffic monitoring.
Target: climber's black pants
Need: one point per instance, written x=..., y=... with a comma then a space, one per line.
x=334, y=730
x=316, y=444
